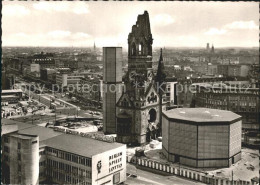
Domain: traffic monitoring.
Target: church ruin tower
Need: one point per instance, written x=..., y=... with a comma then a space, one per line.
x=140, y=42
x=140, y=39
x=138, y=112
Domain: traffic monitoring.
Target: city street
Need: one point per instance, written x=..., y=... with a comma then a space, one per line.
x=37, y=118
x=145, y=177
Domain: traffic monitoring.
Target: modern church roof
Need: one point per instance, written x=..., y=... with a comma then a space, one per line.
x=201, y=116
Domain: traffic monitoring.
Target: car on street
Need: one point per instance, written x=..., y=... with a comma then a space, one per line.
x=131, y=175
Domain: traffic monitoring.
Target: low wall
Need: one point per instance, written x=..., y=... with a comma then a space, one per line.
x=185, y=172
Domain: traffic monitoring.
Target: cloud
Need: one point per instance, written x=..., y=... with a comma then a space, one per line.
x=215, y=31
x=77, y=8
x=114, y=41
x=52, y=38
x=242, y=25
x=15, y=10
x=50, y=6
x=163, y=19
x=59, y=34
x=188, y=38
x=20, y=35
x=185, y=40
x=81, y=8
x=80, y=35
x=249, y=25
x=56, y=34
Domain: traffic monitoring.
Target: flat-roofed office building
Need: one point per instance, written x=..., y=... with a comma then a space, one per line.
x=201, y=137
x=34, y=154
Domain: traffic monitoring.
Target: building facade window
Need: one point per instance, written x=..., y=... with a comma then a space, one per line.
x=19, y=157
x=19, y=168
x=6, y=139
x=19, y=146
x=19, y=179
x=6, y=149
x=6, y=158
x=42, y=163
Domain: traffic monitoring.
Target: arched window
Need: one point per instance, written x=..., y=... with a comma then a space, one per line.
x=133, y=49
x=141, y=49
x=152, y=115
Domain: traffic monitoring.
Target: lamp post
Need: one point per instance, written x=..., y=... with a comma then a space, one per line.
x=77, y=111
x=179, y=165
x=135, y=163
x=32, y=118
x=232, y=181
x=55, y=115
x=50, y=101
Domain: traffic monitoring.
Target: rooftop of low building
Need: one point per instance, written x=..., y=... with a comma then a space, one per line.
x=80, y=145
x=70, y=143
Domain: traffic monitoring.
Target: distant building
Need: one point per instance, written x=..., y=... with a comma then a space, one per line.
x=65, y=79
x=171, y=91
x=45, y=61
x=223, y=70
x=201, y=68
x=177, y=67
x=207, y=47
x=184, y=95
x=112, y=81
x=4, y=79
x=75, y=64
x=8, y=80
x=253, y=74
x=212, y=49
x=35, y=68
x=15, y=64
x=187, y=68
x=244, y=70
x=212, y=70
x=232, y=70
x=202, y=137
x=61, y=79
x=11, y=95
x=37, y=155
x=242, y=101
x=48, y=74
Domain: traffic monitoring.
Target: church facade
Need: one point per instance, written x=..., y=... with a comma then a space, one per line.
x=138, y=109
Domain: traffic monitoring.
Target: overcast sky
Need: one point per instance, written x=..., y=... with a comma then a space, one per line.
x=176, y=24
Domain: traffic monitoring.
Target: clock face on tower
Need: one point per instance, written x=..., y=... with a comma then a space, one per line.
x=132, y=75
x=149, y=76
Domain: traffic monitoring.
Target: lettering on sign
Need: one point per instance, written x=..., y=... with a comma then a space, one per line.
x=115, y=162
